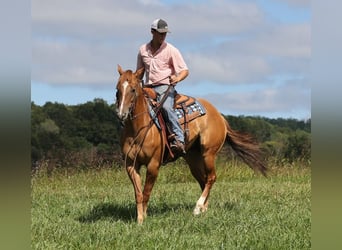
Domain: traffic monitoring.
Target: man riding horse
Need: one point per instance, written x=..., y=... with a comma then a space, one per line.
x=164, y=66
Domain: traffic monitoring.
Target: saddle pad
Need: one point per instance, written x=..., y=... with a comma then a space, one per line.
x=192, y=111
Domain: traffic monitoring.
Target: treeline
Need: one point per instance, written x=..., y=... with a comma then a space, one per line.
x=87, y=135
x=283, y=140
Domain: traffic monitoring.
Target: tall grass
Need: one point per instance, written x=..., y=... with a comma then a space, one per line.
x=96, y=210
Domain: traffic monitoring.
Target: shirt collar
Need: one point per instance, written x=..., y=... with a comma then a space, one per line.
x=161, y=46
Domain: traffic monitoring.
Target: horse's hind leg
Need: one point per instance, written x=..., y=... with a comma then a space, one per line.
x=210, y=173
x=203, y=169
x=194, y=159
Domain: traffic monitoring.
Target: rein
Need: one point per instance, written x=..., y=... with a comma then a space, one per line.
x=148, y=126
x=157, y=108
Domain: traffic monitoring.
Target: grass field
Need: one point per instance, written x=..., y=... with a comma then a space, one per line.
x=96, y=210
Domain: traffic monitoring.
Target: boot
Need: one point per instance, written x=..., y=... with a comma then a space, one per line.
x=177, y=146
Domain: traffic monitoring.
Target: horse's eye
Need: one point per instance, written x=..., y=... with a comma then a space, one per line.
x=133, y=91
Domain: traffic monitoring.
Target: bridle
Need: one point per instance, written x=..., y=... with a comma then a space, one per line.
x=156, y=109
x=133, y=116
x=131, y=106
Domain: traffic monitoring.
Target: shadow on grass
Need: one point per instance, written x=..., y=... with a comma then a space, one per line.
x=127, y=213
x=109, y=211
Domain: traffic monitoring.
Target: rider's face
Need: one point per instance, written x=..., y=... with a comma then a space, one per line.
x=159, y=37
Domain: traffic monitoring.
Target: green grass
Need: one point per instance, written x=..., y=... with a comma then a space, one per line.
x=96, y=210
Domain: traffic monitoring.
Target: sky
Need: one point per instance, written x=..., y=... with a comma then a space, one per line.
x=245, y=57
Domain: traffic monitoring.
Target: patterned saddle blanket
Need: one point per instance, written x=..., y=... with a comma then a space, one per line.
x=186, y=107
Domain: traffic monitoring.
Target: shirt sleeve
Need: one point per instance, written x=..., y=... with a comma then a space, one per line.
x=140, y=62
x=178, y=61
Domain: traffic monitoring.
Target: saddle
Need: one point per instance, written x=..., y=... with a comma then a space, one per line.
x=187, y=109
x=190, y=107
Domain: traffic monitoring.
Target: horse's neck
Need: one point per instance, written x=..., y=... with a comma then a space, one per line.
x=141, y=114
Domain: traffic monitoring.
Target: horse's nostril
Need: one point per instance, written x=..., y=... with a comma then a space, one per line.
x=121, y=116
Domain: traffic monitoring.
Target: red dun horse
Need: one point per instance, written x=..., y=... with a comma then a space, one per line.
x=142, y=143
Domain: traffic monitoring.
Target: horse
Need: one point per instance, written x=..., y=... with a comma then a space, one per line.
x=143, y=145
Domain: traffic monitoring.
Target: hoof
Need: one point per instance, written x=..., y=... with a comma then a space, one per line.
x=199, y=209
x=140, y=221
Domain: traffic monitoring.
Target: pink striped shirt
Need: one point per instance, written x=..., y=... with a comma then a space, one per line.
x=158, y=67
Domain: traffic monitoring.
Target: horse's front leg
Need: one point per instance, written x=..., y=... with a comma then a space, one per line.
x=151, y=177
x=134, y=175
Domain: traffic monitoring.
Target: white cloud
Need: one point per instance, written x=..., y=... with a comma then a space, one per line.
x=73, y=63
x=285, y=41
x=282, y=49
x=290, y=97
x=226, y=42
x=227, y=70
x=216, y=17
x=296, y=3
x=102, y=19
x=68, y=35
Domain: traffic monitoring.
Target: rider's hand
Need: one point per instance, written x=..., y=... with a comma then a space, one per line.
x=173, y=79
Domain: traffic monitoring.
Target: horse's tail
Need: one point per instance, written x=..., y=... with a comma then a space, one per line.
x=246, y=148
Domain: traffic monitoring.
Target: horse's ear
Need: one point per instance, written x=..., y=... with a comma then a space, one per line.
x=120, y=70
x=139, y=73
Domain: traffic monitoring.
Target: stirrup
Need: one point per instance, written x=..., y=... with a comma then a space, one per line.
x=178, y=147
x=171, y=137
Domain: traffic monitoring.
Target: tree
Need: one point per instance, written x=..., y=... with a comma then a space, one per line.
x=298, y=146
x=88, y=135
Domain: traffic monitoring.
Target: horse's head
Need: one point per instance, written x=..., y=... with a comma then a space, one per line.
x=127, y=90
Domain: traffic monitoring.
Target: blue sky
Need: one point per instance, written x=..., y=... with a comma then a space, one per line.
x=246, y=57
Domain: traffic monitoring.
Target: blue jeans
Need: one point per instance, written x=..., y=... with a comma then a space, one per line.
x=169, y=112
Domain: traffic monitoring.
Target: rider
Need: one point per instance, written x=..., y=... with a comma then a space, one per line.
x=164, y=66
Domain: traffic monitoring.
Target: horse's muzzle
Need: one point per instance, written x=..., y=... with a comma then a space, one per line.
x=121, y=116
